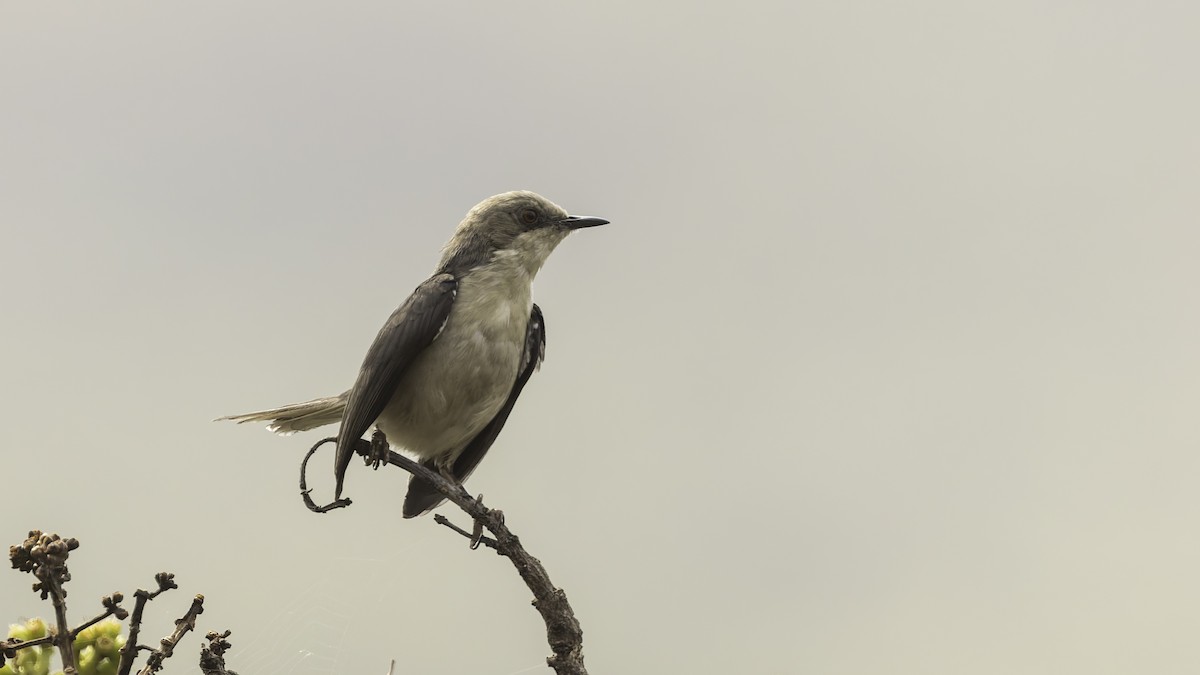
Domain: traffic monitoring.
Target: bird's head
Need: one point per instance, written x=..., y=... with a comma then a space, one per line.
x=519, y=227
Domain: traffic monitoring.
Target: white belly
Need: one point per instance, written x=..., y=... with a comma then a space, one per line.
x=458, y=384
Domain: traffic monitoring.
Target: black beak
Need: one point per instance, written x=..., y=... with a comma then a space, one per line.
x=577, y=222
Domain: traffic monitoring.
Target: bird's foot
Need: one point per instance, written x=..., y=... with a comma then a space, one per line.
x=377, y=455
x=477, y=531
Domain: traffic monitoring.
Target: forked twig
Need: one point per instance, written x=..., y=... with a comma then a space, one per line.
x=563, y=632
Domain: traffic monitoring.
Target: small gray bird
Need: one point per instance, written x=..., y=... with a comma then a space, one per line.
x=445, y=370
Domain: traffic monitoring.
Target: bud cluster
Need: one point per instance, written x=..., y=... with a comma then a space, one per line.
x=45, y=555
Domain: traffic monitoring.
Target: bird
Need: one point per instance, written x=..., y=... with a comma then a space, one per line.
x=443, y=374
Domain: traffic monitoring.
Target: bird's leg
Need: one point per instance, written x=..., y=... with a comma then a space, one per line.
x=477, y=531
x=377, y=456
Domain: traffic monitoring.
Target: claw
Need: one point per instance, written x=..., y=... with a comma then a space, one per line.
x=378, y=454
x=477, y=531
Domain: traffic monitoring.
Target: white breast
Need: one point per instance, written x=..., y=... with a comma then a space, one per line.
x=457, y=385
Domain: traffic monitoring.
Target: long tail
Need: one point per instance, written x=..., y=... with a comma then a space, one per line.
x=289, y=419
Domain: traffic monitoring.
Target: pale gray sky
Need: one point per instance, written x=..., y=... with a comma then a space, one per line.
x=889, y=362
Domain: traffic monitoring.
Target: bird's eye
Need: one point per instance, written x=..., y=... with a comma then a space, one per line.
x=529, y=217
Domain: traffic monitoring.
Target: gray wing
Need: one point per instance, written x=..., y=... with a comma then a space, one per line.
x=422, y=496
x=408, y=331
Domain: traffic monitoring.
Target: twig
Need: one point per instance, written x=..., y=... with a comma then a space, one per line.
x=563, y=632
x=165, y=581
x=212, y=655
x=111, y=608
x=304, y=491
x=45, y=555
x=58, y=596
x=182, y=625
x=443, y=520
x=9, y=647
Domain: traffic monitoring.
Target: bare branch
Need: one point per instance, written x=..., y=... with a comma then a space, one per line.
x=9, y=647
x=212, y=655
x=563, y=631
x=304, y=491
x=45, y=556
x=111, y=608
x=182, y=625
x=166, y=581
x=443, y=520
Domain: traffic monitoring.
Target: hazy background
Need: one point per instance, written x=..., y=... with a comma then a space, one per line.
x=888, y=363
